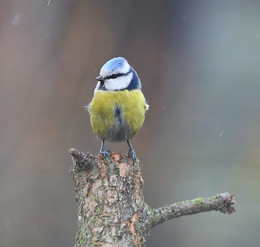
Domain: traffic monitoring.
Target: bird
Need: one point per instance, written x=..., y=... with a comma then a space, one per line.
x=117, y=109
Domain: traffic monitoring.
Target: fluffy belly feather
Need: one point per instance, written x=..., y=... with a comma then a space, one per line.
x=118, y=115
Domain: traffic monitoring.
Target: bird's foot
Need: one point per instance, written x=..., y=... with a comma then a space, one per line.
x=105, y=153
x=131, y=153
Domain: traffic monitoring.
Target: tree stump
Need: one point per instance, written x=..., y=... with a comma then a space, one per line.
x=111, y=207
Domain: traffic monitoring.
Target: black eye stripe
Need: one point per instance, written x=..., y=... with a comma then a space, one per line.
x=113, y=76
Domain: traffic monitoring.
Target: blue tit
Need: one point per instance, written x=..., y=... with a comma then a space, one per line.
x=118, y=107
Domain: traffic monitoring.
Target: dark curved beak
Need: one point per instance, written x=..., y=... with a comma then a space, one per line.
x=100, y=78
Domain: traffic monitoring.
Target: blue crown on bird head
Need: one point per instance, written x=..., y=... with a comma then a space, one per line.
x=114, y=64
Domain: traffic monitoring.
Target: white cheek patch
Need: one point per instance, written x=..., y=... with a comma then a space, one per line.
x=118, y=83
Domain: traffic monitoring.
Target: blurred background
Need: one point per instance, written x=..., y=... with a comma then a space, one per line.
x=198, y=62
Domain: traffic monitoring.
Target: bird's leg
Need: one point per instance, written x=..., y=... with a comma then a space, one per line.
x=131, y=151
x=104, y=153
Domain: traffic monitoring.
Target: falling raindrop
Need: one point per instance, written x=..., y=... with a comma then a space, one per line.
x=16, y=20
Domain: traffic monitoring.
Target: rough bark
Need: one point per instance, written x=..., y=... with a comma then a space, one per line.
x=111, y=206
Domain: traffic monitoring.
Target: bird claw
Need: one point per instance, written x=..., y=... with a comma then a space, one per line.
x=132, y=154
x=105, y=153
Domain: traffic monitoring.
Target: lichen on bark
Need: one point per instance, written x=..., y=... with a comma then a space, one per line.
x=111, y=206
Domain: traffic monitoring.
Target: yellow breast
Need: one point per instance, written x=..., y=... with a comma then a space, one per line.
x=117, y=115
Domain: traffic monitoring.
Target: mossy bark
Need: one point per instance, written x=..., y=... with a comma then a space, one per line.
x=111, y=206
